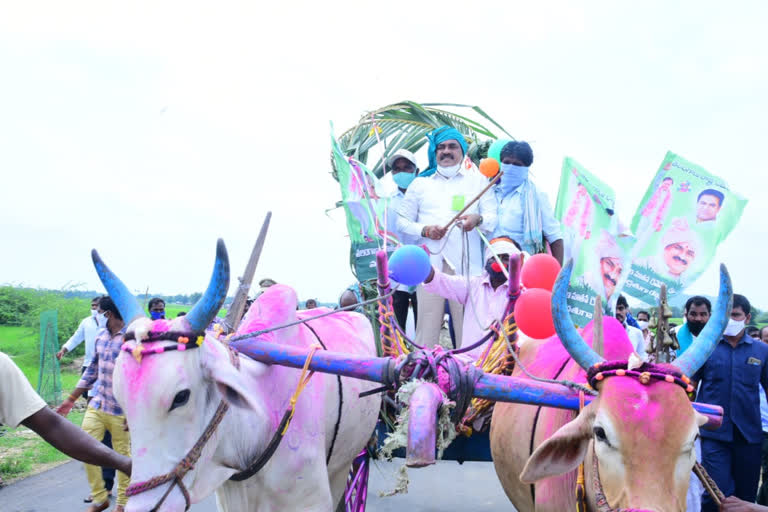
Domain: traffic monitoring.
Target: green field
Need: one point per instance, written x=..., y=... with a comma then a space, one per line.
x=22, y=452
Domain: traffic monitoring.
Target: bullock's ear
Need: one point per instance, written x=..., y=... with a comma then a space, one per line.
x=563, y=452
x=218, y=368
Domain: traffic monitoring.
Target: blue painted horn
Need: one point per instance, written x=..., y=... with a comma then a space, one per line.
x=206, y=308
x=201, y=313
x=566, y=331
x=126, y=303
x=698, y=353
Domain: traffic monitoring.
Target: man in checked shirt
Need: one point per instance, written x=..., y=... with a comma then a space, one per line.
x=103, y=413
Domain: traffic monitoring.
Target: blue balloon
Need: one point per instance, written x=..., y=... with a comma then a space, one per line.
x=409, y=265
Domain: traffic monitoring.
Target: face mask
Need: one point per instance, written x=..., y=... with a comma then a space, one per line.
x=449, y=172
x=733, y=328
x=94, y=312
x=643, y=324
x=101, y=319
x=513, y=177
x=494, y=270
x=157, y=315
x=403, y=179
x=696, y=327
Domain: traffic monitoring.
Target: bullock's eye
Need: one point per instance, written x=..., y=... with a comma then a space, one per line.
x=181, y=398
x=600, y=435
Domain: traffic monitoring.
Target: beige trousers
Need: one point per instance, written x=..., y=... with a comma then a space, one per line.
x=431, y=313
x=95, y=423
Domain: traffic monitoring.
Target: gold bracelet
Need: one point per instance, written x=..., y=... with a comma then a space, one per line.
x=72, y=398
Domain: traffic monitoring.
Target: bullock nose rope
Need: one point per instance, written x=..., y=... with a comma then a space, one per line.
x=177, y=474
x=644, y=373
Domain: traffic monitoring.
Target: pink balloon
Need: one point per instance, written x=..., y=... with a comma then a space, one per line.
x=540, y=271
x=533, y=313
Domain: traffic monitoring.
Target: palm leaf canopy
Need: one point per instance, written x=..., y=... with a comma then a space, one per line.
x=404, y=125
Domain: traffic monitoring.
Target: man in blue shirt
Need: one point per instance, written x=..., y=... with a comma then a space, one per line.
x=732, y=378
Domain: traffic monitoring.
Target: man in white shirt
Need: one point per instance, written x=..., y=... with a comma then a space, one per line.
x=635, y=334
x=429, y=204
x=403, y=168
x=86, y=332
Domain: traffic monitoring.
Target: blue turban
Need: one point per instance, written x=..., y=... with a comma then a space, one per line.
x=519, y=150
x=437, y=136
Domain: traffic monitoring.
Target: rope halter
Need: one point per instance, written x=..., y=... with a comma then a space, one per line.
x=645, y=373
x=177, y=474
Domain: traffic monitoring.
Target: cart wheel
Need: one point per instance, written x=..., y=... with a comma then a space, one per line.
x=356, y=493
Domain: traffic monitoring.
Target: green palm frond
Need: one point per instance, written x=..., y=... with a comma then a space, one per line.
x=404, y=125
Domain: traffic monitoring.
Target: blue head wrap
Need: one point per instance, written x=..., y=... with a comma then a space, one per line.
x=520, y=150
x=437, y=136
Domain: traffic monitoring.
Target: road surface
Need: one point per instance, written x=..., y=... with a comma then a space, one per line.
x=447, y=486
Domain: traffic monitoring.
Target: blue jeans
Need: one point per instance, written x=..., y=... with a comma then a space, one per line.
x=734, y=466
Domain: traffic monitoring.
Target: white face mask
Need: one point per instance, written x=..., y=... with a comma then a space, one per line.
x=101, y=319
x=643, y=324
x=94, y=312
x=734, y=327
x=449, y=172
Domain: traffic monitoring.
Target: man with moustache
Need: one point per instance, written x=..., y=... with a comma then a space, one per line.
x=681, y=245
x=430, y=202
x=696, y=312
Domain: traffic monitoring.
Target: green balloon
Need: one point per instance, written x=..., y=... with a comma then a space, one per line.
x=495, y=150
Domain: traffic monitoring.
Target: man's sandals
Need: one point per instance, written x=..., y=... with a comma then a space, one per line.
x=89, y=499
x=98, y=508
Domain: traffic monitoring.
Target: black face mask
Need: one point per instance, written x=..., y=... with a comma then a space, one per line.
x=496, y=275
x=696, y=327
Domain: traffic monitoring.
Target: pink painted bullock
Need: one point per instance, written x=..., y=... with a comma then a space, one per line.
x=173, y=396
x=642, y=434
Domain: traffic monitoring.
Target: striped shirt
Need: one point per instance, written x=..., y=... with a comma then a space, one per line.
x=98, y=375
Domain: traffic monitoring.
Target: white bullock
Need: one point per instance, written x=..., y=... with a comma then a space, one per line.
x=173, y=398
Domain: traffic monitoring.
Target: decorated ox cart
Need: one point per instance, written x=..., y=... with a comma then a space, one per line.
x=237, y=417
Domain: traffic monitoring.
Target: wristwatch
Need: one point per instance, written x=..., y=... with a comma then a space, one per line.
x=480, y=221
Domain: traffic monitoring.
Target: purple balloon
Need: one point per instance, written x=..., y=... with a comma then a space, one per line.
x=409, y=265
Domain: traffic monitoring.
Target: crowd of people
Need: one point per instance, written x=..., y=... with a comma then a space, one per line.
x=470, y=232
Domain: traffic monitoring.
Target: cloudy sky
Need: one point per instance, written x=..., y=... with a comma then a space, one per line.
x=149, y=129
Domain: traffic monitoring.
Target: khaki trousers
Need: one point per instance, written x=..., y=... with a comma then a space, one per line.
x=431, y=313
x=95, y=423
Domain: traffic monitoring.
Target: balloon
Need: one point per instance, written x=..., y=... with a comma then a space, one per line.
x=533, y=313
x=494, y=151
x=540, y=271
x=489, y=167
x=409, y=265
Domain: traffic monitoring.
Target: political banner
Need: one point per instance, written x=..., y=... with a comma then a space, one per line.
x=361, y=199
x=585, y=209
x=685, y=214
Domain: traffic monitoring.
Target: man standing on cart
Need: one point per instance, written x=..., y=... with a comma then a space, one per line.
x=430, y=203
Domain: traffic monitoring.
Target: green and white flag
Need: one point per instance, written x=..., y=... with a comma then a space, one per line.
x=585, y=209
x=685, y=214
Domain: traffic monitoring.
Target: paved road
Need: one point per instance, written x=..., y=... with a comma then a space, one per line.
x=447, y=486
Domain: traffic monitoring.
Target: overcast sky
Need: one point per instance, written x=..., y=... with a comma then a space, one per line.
x=149, y=129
